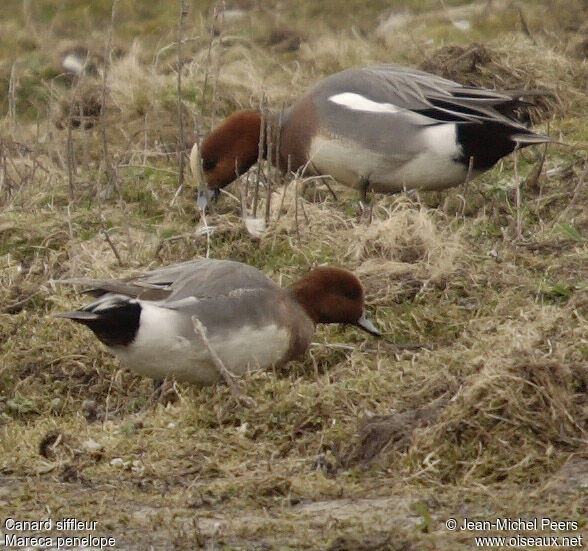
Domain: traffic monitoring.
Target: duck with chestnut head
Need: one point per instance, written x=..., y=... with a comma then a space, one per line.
x=251, y=323
x=385, y=128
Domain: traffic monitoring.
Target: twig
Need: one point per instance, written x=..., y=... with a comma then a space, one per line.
x=525, y=26
x=85, y=144
x=279, y=141
x=219, y=14
x=167, y=47
x=12, y=96
x=207, y=64
x=2, y=166
x=107, y=54
x=10, y=308
x=207, y=231
x=325, y=181
x=109, y=241
x=306, y=219
x=270, y=143
x=149, y=167
x=110, y=170
x=182, y=138
x=260, y=152
x=533, y=177
x=70, y=150
x=108, y=394
x=518, y=230
x=315, y=368
x=289, y=168
x=465, y=185
x=227, y=376
x=145, y=140
x=574, y=198
x=296, y=210
x=243, y=200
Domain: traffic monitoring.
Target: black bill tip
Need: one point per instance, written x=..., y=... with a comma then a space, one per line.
x=368, y=326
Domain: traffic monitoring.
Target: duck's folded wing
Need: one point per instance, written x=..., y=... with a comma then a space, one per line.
x=201, y=278
x=132, y=289
x=152, y=285
x=393, y=91
x=217, y=278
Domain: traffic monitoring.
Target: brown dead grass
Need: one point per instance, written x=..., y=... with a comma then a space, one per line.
x=477, y=392
x=517, y=416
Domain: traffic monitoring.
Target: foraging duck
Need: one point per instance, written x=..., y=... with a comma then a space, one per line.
x=384, y=128
x=250, y=322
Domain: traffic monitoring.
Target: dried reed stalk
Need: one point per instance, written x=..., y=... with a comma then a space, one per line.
x=12, y=97
x=268, y=179
x=107, y=57
x=2, y=166
x=465, y=186
x=518, y=226
x=260, y=150
x=70, y=158
x=218, y=13
x=182, y=137
x=111, y=173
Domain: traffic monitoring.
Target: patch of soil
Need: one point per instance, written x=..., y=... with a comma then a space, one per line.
x=374, y=542
x=392, y=432
x=571, y=478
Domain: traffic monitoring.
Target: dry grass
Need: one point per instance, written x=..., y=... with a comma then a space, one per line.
x=474, y=400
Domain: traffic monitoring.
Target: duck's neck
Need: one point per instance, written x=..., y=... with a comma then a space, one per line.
x=269, y=124
x=305, y=294
x=237, y=144
x=264, y=129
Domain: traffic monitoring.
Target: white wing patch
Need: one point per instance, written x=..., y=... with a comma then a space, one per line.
x=357, y=102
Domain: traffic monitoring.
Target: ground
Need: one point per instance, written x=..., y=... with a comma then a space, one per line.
x=472, y=406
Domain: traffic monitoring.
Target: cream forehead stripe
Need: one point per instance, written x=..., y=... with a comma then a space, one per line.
x=194, y=160
x=357, y=102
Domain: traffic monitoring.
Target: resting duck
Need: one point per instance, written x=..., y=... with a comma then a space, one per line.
x=384, y=128
x=250, y=322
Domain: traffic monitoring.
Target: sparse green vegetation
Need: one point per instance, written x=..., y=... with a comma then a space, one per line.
x=473, y=405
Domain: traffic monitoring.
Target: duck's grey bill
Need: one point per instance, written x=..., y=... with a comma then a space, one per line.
x=205, y=195
x=202, y=200
x=368, y=326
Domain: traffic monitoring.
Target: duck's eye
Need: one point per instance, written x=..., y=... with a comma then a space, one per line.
x=208, y=164
x=353, y=293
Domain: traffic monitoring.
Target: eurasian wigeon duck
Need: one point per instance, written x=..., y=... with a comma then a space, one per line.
x=384, y=128
x=250, y=322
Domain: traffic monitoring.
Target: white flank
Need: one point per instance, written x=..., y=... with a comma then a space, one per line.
x=158, y=343
x=166, y=346
x=358, y=102
x=441, y=140
x=430, y=167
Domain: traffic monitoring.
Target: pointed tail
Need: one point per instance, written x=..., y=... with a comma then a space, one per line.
x=113, y=319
